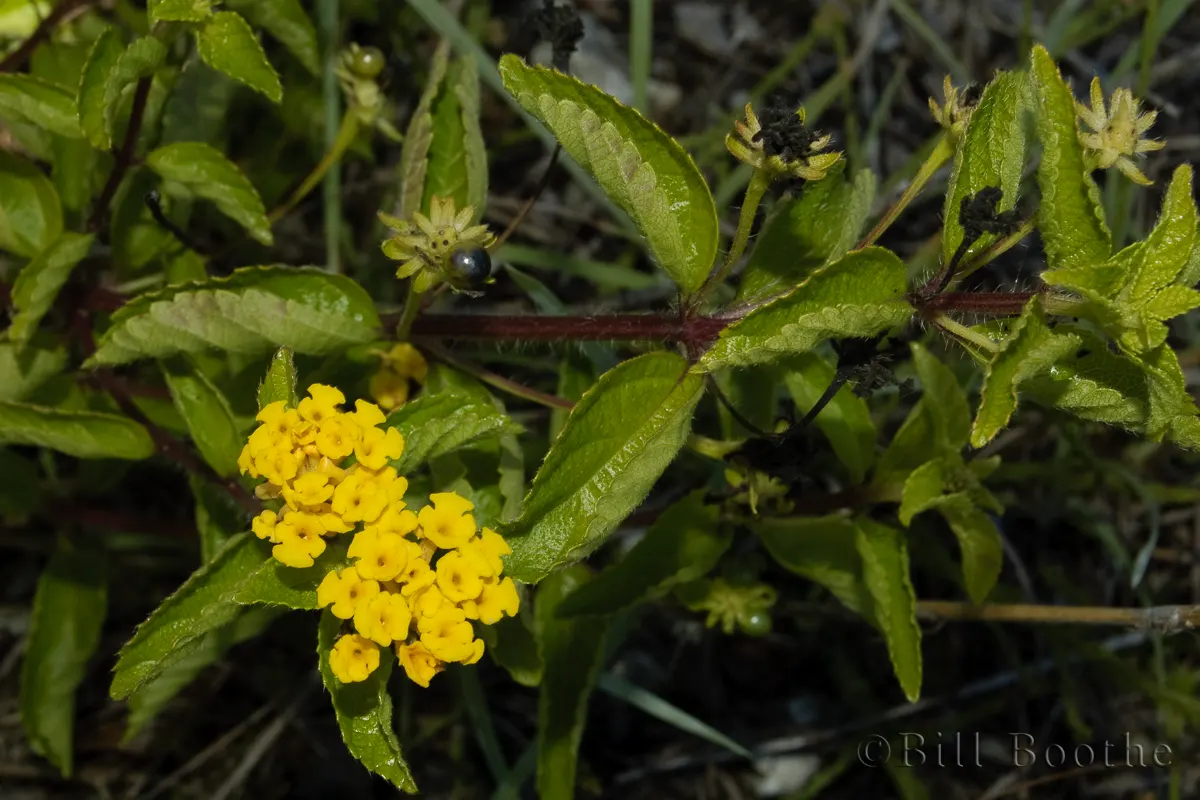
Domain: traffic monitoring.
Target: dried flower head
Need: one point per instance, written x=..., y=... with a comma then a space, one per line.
x=780, y=144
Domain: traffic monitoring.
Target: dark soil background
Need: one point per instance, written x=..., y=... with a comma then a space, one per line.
x=1082, y=500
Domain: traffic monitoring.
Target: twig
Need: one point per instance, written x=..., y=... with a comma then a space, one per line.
x=1163, y=619
x=537, y=328
x=58, y=15
x=527, y=206
x=124, y=156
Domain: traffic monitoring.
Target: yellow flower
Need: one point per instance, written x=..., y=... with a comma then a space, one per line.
x=419, y=664
x=377, y=447
x=396, y=519
x=427, y=602
x=264, y=525
x=245, y=462
x=446, y=523
x=361, y=497
x=1117, y=132
x=310, y=489
x=489, y=549
x=299, y=540
x=367, y=415
x=353, y=658
x=389, y=389
x=783, y=146
x=400, y=365
x=447, y=634
x=321, y=404
x=332, y=521
x=424, y=246
x=336, y=438
x=495, y=601
x=384, y=619
x=277, y=465
x=417, y=574
x=457, y=578
x=380, y=556
x=955, y=113
x=345, y=591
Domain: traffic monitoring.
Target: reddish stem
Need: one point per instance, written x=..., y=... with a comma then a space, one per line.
x=124, y=156
x=536, y=328
x=995, y=304
x=17, y=58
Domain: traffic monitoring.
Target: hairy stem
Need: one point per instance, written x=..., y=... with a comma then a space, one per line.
x=759, y=182
x=695, y=330
x=997, y=249
x=940, y=155
x=966, y=334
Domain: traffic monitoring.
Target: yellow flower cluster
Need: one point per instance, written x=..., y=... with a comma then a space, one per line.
x=400, y=365
x=417, y=579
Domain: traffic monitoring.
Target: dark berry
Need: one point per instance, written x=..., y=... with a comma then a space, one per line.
x=472, y=265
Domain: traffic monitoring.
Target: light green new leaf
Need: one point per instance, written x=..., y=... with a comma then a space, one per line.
x=1070, y=216
x=252, y=311
x=109, y=71
x=207, y=414
x=272, y=583
x=280, y=381
x=860, y=295
x=40, y=280
x=924, y=486
x=1168, y=397
x=990, y=153
x=208, y=174
x=1031, y=349
x=1168, y=247
x=364, y=711
x=823, y=550
x=45, y=105
x=414, y=156
x=945, y=400
x=572, y=652
x=682, y=545
x=82, y=434
x=178, y=10
x=226, y=43
x=640, y=168
x=845, y=421
x=1096, y=384
x=916, y=442
x=30, y=213
x=619, y=438
x=457, y=161
x=884, y=554
x=24, y=369
x=979, y=542
x=64, y=631
x=802, y=234
x=438, y=424
x=288, y=22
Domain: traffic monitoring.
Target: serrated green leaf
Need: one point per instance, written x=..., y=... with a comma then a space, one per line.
x=914, y=443
x=821, y=549
x=198, y=106
x=1070, y=216
x=457, y=162
x=109, y=71
x=845, y=421
x=273, y=584
x=682, y=545
x=572, y=651
x=640, y=168
x=64, y=631
x=82, y=434
x=226, y=43
x=178, y=10
x=990, y=153
x=1168, y=397
x=511, y=644
x=802, y=234
x=619, y=438
x=218, y=517
x=1171, y=302
x=288, y=22
x=924, y=486
x=1169, y=246
x=1031, y=349
x=414, y=157
x=280, y=381
x=979, y=542
x=860, y=295
x=438, y=424
x=951, y=416
x=364, y=711
x=252, y=311
x=30, y=213
x=207, y=414
x=45, y=105
x=137, y=240
x=146, y=703
x=474, y=149
x=884, y=554
x=76, y=171
x=208, y=174
x=39, y=282
x=24, y=369
x=1098, y=385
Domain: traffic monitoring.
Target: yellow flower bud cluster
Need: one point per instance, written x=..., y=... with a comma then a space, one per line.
x=417, y=580
x=390, y=386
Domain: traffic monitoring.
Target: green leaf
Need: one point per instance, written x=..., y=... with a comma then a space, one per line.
x=884, y=553
x=76, y=171
x=137, y=239
x=991, y=153
x=946, y=401
x=146, y=703
x=684, y=544
x=280, y=381
x=45, y=105
x=640, y=168
x=287, y=21
x=198, y=106
x=226, y=43
x=1031, y=349
x=205, y=172
x=364, y=711
x=24, y=369
x=40, y=280
x=1096, y=384
x=414, y=157
x=1168, y=247
x=30, y=214
x=457, y=161
x=82, y=434
x=218, y=517
x=572, y=651
x=207, y=414
x=978, y=540
x=1070, y=216
x=619, y=438
x=109, y=71
x=21, y=492
x=252, y=311
x=802, y=234
x=438, y=424
x=860, y=295
x=821, y=549
x=64, y=631
x=845, y=421
x=511, y=644
x=178, y=10
x=923, y=488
